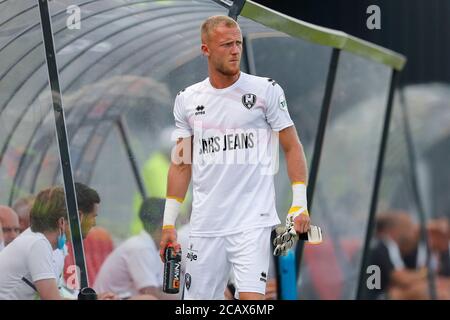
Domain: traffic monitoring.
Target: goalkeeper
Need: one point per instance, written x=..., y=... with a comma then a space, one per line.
x=232, y=115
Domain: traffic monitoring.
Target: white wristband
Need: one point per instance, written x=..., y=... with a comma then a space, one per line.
x=171, y=211
x=299, y=195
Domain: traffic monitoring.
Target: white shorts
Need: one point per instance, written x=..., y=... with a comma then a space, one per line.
x=209, y=261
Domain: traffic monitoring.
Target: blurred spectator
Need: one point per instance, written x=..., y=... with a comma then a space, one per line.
x=437, y=230
x=27, y=270
x=27, y=266
x=97, y=246
x=23, y=207
x=396, y=236
x=2, y=241
x=438, y=237
x=154, y=174
x=10, y=224
x=402, y=258
x=88, y=201
x=134, y=269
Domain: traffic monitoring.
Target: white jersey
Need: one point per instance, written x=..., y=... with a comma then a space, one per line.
x=235, y=154
x=134, y=265
x=27, y=259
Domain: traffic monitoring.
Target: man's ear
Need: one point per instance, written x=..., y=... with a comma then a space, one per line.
x=81, y=215
x=205, y=50
x=61, y=222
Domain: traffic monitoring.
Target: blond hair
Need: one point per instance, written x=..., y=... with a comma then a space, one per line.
x=48, y=207
x=213, y=22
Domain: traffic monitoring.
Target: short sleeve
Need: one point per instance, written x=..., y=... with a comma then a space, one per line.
x=183, y=128
x=277, y=113
x=145, y=268
x=40, y=261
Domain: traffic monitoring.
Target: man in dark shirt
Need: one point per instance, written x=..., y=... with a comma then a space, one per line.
x=396, y=238
x=402, y=258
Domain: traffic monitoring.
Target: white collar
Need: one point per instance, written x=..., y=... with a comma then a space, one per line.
x=394, y=252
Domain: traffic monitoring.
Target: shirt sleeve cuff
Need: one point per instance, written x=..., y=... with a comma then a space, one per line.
x=43, y=276
x=284, y=126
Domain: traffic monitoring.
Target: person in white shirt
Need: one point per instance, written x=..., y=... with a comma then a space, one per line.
x=228, y=129
x=29, y=267
x=23, y=207
x=9, y=222
x=27, y=270
x=134, y=270
x=2, y=241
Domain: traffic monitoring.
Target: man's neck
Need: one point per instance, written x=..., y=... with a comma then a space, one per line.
x=221, y=81
x=51, y=237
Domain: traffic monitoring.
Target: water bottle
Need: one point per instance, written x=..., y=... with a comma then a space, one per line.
x=172, y=270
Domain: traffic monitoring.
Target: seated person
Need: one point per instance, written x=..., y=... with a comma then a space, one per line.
x=23, y=207
x=88, y=202
x=10, y=224
x=402, y=260
x=396, y=237
x=2, y=241
x=97, y=245
x=438, y=238
x=134, y=269
x=27, y=270
x=27, y=266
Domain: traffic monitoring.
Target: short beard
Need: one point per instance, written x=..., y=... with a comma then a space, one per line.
x=227, y=72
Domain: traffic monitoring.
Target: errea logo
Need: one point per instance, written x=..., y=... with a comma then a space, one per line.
x=200, y=110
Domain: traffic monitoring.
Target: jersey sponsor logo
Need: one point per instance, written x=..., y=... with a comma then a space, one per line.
x=249, y=100
x=227, y=142
x=187, y=280
x=236, y=146
x=200, y=110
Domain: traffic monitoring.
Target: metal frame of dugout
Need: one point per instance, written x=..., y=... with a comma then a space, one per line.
x=338, y=41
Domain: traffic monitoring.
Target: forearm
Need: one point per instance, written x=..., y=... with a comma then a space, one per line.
x=297, y=168
x=47, y=289
x=177, y=184
x=178, y=180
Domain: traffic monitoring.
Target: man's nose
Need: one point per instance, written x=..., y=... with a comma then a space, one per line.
x=235, y=49
x=11, y=233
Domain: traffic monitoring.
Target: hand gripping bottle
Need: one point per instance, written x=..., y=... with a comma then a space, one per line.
x=172, y=270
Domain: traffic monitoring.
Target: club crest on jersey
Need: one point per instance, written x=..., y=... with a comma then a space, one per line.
x=187, y=280
x=249, y=100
